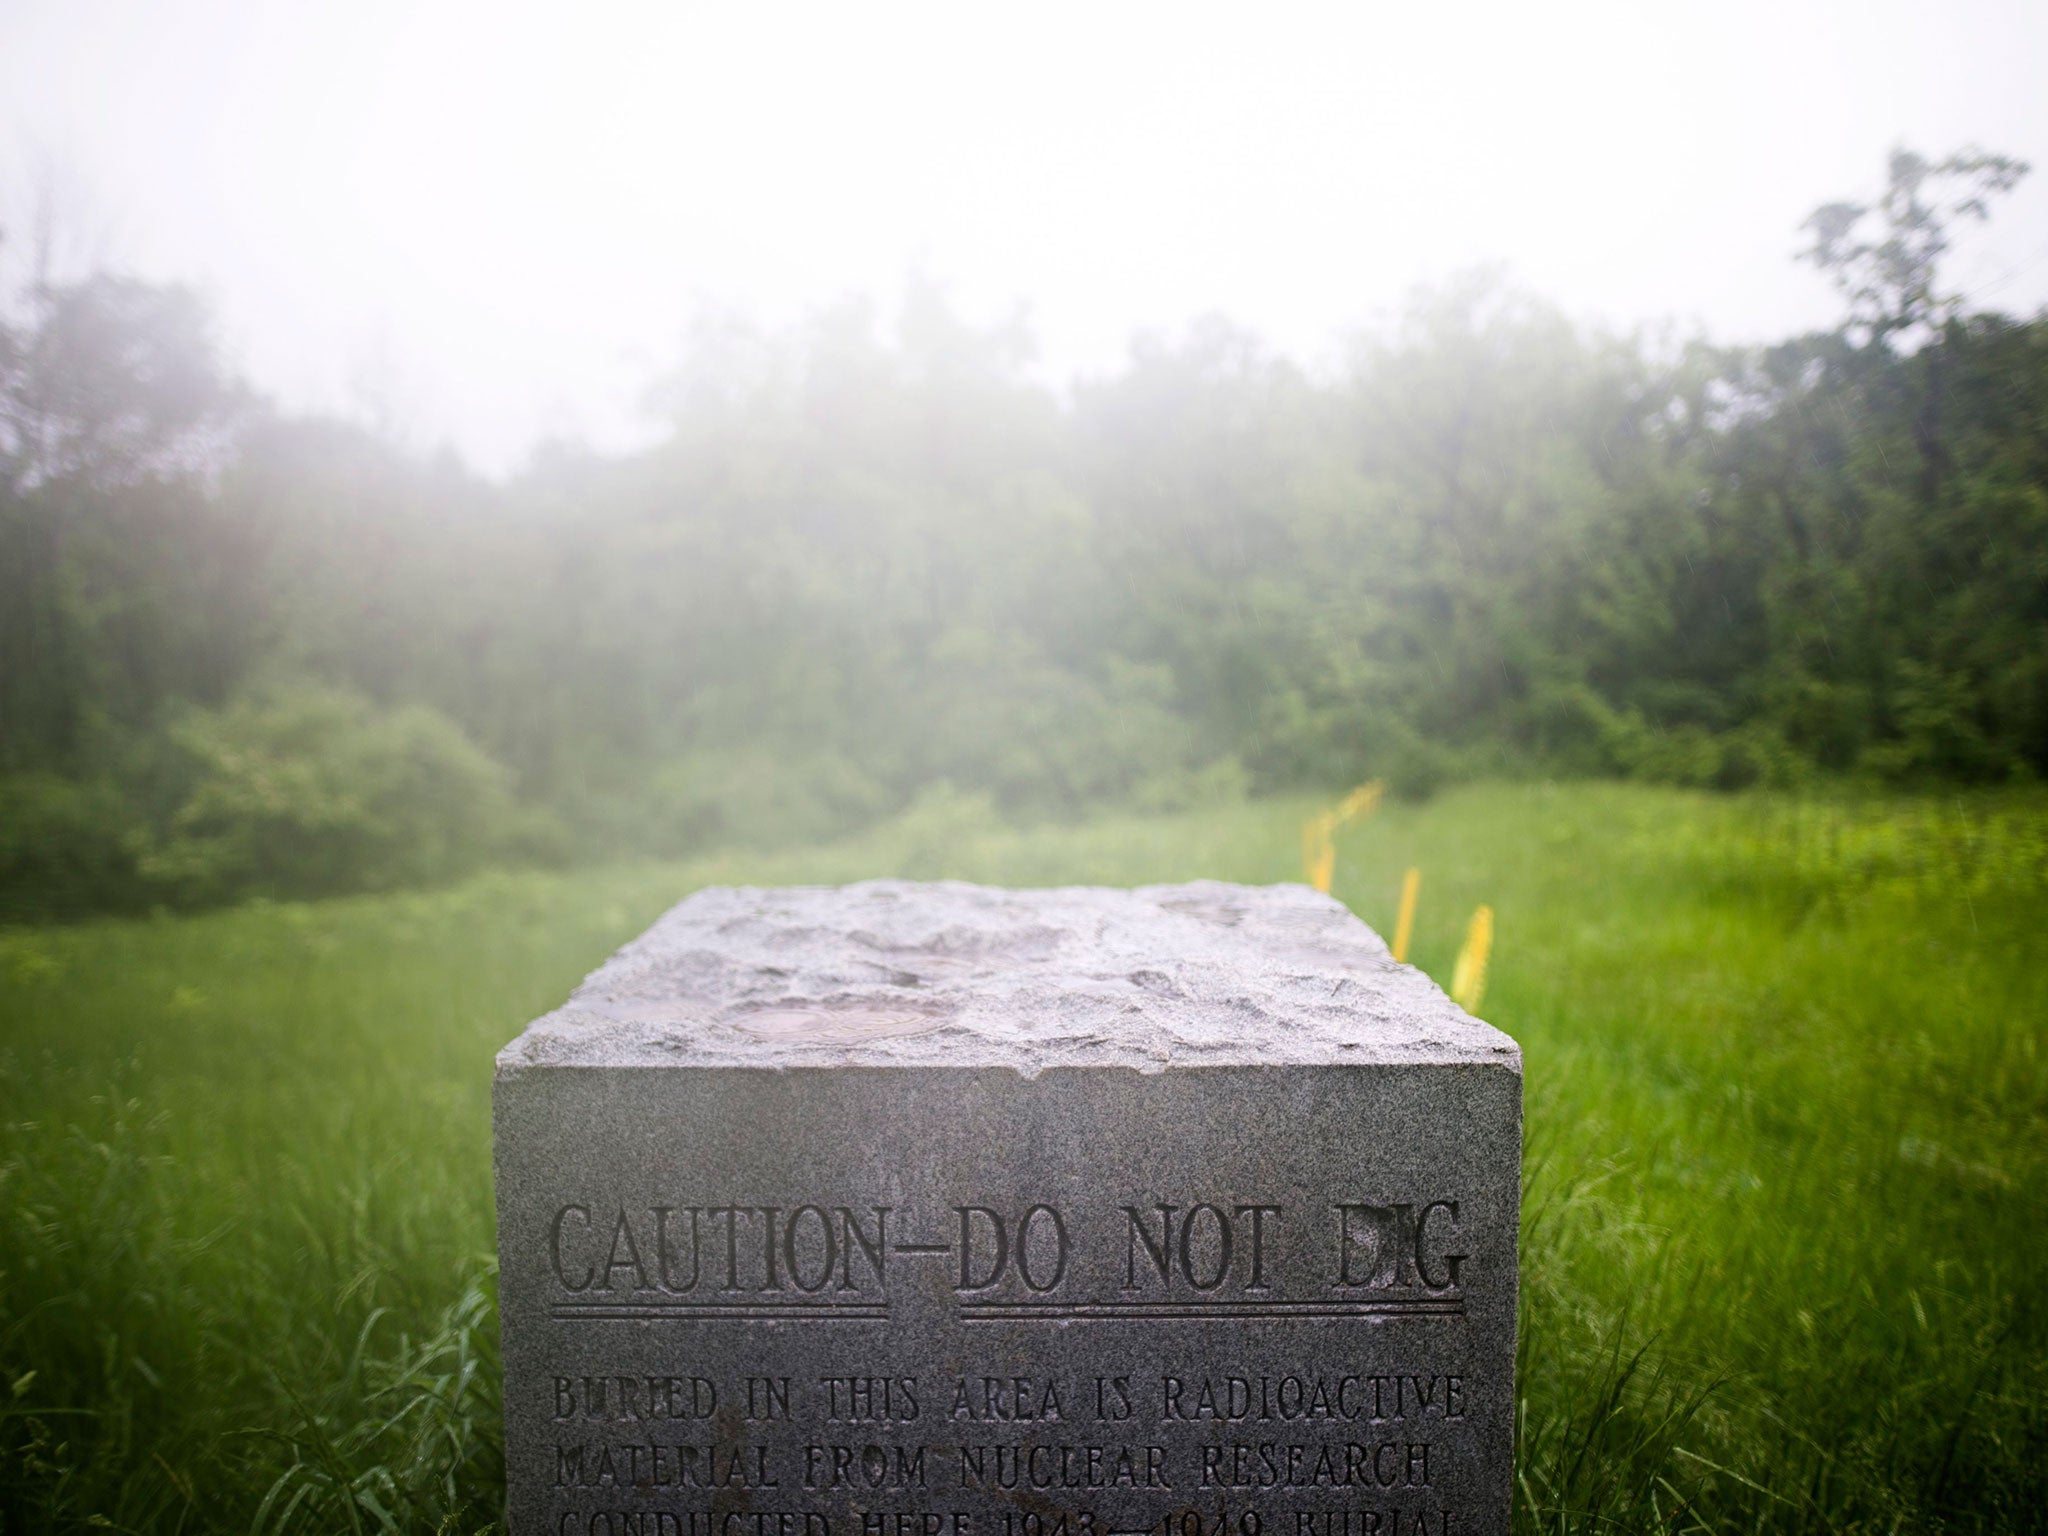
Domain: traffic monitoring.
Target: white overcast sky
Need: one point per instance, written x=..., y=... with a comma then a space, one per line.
x=497, y=218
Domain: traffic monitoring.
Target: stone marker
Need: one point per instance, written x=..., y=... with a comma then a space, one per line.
x=937, y=1210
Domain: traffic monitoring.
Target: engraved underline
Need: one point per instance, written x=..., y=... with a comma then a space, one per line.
x=720, y=1311
x=1180, y=1311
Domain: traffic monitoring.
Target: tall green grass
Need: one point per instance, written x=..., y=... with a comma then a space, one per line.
x=1786, y=1248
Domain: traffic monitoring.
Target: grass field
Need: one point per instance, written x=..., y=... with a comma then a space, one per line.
x=1785, y=1254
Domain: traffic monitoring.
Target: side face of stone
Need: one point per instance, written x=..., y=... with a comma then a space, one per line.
x=970, y=1300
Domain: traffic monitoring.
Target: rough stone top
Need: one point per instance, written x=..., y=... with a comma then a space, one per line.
x=898, y=973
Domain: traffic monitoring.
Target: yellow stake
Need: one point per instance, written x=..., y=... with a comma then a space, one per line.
x=1325, y=870
x=1404, y=924
x=1319, y=833
x=1318, y=851
x=1468, y=976
x=1360, y=802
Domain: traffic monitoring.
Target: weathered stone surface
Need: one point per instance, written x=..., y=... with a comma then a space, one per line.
x=935, y=1210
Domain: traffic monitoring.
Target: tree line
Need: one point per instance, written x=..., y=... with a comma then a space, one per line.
x=874, y=558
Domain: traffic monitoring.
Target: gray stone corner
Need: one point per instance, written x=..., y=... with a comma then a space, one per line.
x=898, y=973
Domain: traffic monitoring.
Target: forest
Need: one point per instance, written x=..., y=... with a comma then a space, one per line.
x=875, y=559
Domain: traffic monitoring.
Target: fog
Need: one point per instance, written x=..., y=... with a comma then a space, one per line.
x=490, y=224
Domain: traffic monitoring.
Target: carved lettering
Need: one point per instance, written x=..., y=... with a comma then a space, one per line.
x=998, y=1241
x=1316, y=1464
x=864, y=1466
x=1345, y=1399
x=663, y=1464
x=1009, y=1467
x=555, y=1247
x=1025, y=1249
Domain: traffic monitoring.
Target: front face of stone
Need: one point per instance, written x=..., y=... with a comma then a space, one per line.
x=1231, y=1301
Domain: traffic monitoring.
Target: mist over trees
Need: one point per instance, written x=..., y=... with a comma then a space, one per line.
x=874, y=560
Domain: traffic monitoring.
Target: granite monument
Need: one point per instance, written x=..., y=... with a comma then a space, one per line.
x=939, y=1210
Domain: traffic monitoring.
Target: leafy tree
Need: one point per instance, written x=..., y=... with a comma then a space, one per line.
x=1890, y=274
x=113, y=409
x=1918, y=515
x=108, y=381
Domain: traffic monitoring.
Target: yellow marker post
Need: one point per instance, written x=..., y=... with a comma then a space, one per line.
x=1318, y=851
x=1362, y=801
x=1468, y=976
x=1319, y=833
x=1404, y=923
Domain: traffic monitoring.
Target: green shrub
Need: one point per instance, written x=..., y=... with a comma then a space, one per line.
x=1573, y=730
x=65, y=849
x=1222, y=783
x=1938, y=733
x=752, y=796
x=311, y=792
x=1693, y=757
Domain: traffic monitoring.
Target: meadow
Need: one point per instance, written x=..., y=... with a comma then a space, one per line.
x=1785, y=1256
